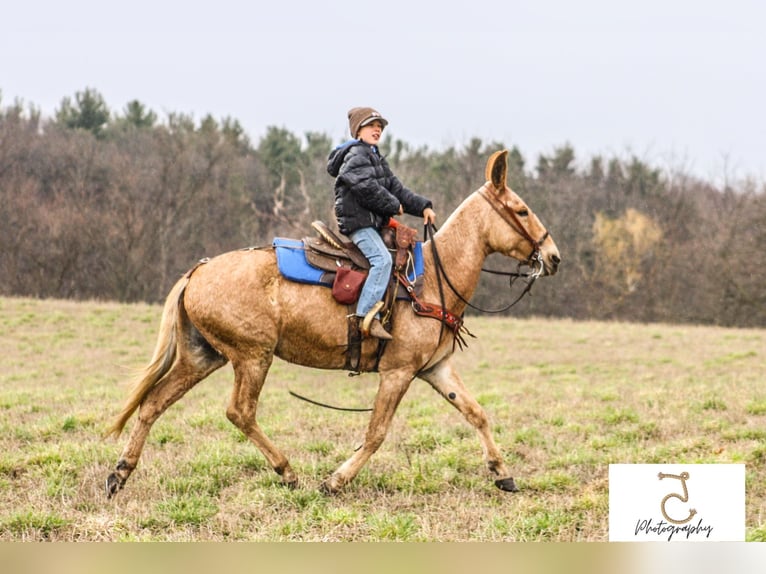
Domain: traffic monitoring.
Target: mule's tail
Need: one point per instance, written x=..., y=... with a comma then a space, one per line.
x=165, y=353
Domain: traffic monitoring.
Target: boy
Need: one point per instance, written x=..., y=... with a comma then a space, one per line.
x=367, y=194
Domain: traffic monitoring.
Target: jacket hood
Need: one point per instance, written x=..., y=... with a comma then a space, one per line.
x=335, y=160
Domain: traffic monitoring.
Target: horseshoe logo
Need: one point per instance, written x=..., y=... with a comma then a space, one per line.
x=683, y=477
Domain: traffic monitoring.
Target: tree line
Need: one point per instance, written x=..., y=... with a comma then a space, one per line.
x=97, y=204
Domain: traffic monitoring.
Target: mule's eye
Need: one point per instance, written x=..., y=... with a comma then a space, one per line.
x=522, y=213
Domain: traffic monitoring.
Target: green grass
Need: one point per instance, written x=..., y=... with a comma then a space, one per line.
x=565, y=400
x=32, y=526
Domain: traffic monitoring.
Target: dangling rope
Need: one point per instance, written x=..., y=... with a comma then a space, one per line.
x=328, y=406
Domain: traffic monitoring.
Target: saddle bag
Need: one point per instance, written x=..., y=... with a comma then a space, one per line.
x=347, y=285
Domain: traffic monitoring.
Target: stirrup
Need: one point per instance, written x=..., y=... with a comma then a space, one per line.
x=369, y=317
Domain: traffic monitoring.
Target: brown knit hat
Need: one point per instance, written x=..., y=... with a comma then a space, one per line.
x=360, y=117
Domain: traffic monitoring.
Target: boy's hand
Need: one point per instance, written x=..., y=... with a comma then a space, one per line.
x=429, y=216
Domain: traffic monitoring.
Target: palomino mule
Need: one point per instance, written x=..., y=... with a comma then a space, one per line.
x=237, y=307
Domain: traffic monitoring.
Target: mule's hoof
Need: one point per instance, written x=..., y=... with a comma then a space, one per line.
x=291, y=484
x=506, y=484
x=114, y=484
x=331, y=486
x=289, y=478
x=325, y=489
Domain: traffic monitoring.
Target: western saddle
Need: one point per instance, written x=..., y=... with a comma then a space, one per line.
x=330, y=251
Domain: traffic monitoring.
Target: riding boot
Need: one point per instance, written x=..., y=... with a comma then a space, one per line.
x=371, y=325
x=377, y=330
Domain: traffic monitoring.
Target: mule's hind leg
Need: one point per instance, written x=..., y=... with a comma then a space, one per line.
x=448, y=383
x=249, y=377
x=174, y=385
x=392, y=387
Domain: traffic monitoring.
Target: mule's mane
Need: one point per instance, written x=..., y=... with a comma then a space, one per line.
x=463, y=247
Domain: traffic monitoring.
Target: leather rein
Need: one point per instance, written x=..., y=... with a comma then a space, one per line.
x=534, y=260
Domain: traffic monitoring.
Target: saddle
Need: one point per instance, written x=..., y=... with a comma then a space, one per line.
x=335, y=254
x=330, y=256
x=329, y=250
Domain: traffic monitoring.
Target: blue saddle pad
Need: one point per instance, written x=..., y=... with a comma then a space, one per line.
x=291, y=259
x=417, y=255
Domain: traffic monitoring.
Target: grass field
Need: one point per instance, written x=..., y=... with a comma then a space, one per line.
x=566, y=399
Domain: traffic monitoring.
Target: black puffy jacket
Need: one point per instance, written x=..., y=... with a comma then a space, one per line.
x=367, y=193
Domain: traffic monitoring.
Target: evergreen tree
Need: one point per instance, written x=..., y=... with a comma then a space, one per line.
x=89, y=112
x=137, y=115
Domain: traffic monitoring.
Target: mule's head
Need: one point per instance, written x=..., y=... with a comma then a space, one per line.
x=514, y=229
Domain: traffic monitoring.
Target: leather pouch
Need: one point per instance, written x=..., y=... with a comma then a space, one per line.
x=347, y=285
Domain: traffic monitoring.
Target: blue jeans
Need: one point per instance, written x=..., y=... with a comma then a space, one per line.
x=368, y=240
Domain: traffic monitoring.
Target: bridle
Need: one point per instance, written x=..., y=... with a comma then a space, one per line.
x=535, y=259
x=510, y=217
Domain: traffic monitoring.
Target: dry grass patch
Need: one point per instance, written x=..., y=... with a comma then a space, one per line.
x=565, y=399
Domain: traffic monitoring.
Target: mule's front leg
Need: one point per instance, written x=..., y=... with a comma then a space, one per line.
x=448, y=383
x=390, y=392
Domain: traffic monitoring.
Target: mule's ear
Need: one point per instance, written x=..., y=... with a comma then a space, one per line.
x=497, y=169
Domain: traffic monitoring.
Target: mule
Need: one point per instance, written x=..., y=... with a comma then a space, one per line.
x=238, y=308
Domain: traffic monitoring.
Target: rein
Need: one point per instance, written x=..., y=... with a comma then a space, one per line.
x=535, y=257
x=328, y=406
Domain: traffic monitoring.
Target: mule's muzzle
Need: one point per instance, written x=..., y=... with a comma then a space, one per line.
x=552, y=264
x=544, y=264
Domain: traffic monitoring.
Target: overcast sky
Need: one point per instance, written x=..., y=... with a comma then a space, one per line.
x=678, y=83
